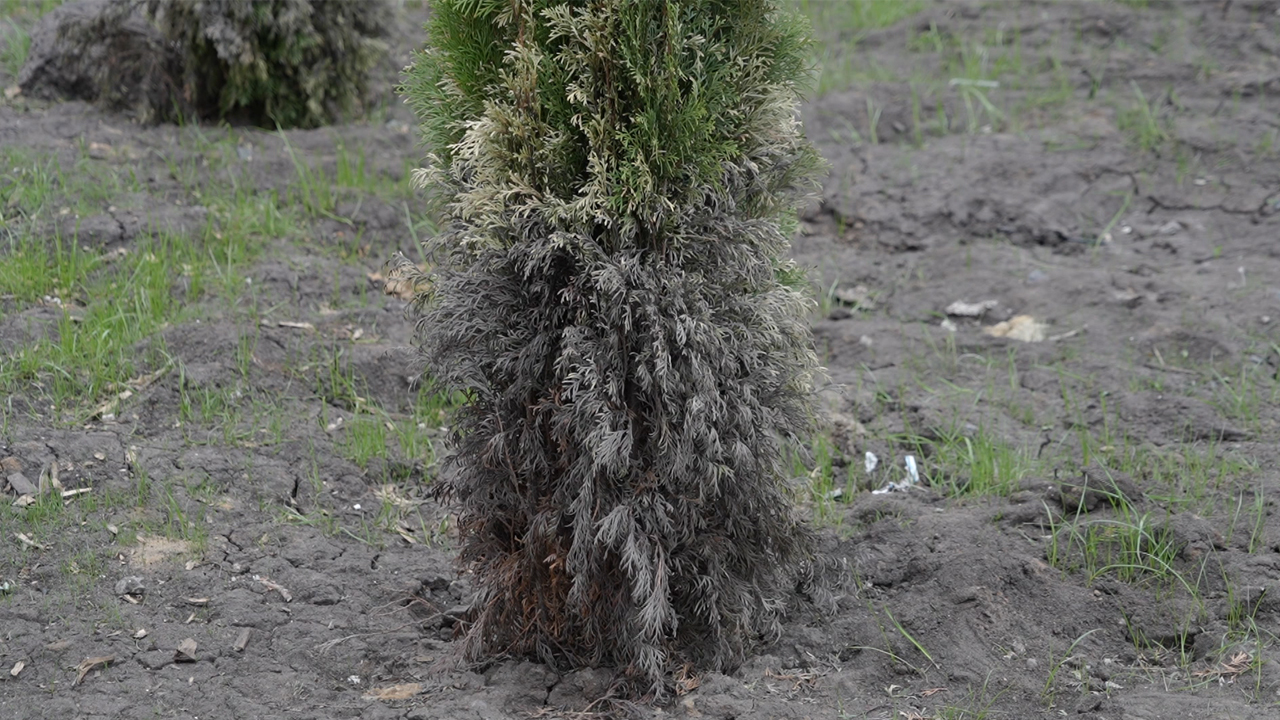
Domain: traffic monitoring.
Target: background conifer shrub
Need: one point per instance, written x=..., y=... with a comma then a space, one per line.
x=292, y=63
x=616, y=180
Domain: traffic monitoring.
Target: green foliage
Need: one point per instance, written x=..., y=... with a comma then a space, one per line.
x=292, y=63
x=608, y=296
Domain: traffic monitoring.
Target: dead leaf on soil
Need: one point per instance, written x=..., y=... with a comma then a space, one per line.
x=10, y=464
x=58, y=645
x=394, y=692
x=295, y=325
x=687, y=680
x=12, y=92
x=197, y=601
x=186, y=651
x=960, y=308
x=26, y=540
x=88, y=665
x=242, y=640
x=390, y=494
x=107, y=410
x=932, y=691
x=49, y=478
x=1020, y=327
x=1228, y=670
x=859, y=296
x=139, y=633
x=17, y=668
x=24, y=500
x=269, y=585
x=396, y=282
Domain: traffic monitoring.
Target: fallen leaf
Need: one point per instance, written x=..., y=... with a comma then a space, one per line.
x=288, y=596
x=26, y=540
x=10, y=464
x=296, y=325
x=242, y=640
x=186, y=651
x=17, y=668
x=859, y=296
x=113, y=529
x=1020, y=327
x=24, y=500
x=960, y=308
x=12, y=92
x=49, y=478
x=197, y=601
x=394, y=692
x=68, y=494
x=139, y=633
x=90, y=664
x=58, y=645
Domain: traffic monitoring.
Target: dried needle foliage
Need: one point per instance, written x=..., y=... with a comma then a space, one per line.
x=615, y=178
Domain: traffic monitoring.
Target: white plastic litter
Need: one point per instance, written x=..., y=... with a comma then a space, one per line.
x=871, y=462
x=913, y=478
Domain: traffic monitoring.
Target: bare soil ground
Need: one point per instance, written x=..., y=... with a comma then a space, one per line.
x=194, y=331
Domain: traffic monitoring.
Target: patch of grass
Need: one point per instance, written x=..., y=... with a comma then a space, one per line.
x=1049, y=693
x=17, y=43
x=365, y=438
x=27, y=9
x=1143, y=122
x=975, y=464
x=839, y=26
x=1244, y=395
x=179, y=524
x=1188, y=476
x=1129, y=546
x=317, y=191
x=109, y=303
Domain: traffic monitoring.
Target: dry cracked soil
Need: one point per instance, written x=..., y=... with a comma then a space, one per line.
x=1046, y=267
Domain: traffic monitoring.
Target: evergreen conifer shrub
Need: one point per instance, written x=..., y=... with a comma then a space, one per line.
x=616, y=180
x=291, y=63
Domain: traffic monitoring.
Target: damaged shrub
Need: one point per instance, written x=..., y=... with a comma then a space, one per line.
x=616, y=180
x=292, y=63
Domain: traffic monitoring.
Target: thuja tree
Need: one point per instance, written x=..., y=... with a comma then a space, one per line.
x=615, y=179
